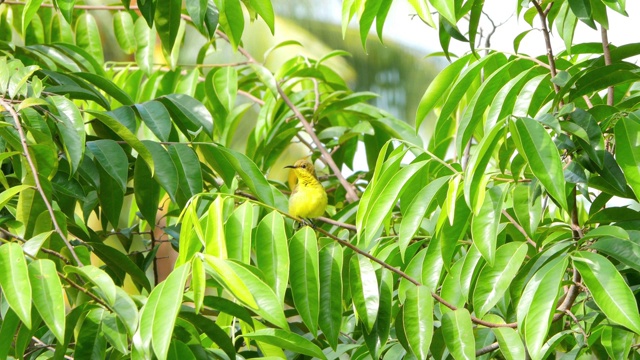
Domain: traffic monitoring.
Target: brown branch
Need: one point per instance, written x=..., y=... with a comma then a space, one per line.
x=519, y=228
x=547, y=39
x=85, y=291
x=44, y=250
x=575, y=320
x=487, y=349
x=338, y=223
x=36, y=178
x=607, y=61
x=42, y=344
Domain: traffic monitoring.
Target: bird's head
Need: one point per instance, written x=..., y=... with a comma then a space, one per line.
x=302, y=168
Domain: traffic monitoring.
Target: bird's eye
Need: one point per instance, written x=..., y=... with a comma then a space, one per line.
x=304, y=166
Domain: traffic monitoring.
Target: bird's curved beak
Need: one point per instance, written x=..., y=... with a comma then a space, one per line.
x=290, y=167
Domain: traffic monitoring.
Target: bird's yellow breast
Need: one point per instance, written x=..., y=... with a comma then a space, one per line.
x=308, y=201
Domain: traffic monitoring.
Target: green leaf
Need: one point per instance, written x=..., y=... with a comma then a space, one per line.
x=230, y=280
x=416, y=211
x=9, y=193
x=527, y=207
x=212, y=330
x=197, y=10
x=165, y=172
x=123, y=29
x=288, y=341
x=10, y=323
x=189, y=112
x=251, y=175
x=225, y=85
x=238, y=230
x=608, y=288
x=88, y=36
x=582, y=10
x=115, y=332
x=198, y=282
x=616, y=341
x=28, y=12
x=494, y=281
x=265, y=10
x=66, y=9
x=537, y=305
x=484, y=226
x=162, y=313
x=331, y=292
x=364, y=290
x=305, y=277
x=125, y=134
x=214, y=236
x=115, y=259
x=537, y=147
x=627, y=132
x=511, y=345
x=440, y=85
x=417, y=315
x=457, y=330
x=107, y=86
x=167, y=20
x=47, y=295
x=446, y=8
x=14, y=279
x=268, y=305
x=371, y=8
x=211, y=19
x=231, y=20
x=625, y=251
x=71, y=128
x=383, y=198
x=97, y=277
x=189, y=173
x=475, y=175
x=422, y=9
x=145, y=44
x=110, y=156
x=147, y=193
x=156, y=117
x=90, y=343
x=272, y=253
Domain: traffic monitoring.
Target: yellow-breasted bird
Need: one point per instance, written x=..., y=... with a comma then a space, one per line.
x=308, y=199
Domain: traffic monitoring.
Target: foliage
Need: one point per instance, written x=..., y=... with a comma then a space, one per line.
x=513, y=232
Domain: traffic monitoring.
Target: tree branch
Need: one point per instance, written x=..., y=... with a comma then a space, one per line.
x=36, y=178
x=547, y=39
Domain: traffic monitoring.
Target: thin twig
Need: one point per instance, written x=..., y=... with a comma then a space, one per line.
x=41, y=343
x=487, y=349
x=575, y=320
x=519, y=228
x=338, y=223
x=155, y=258
x=547, y=39
x=85, y=291
x=36, y=178
x=607, y=61
x=44, y=250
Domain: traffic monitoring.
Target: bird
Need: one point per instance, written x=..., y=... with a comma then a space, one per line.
x=308, y=199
